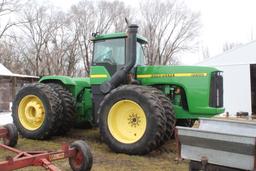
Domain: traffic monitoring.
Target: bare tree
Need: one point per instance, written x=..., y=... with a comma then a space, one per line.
x=205, y=52
x=121, y=11
x=60, y=49
x=7, y=7
x=36, y=31
x=10, y=56
x=48, y=41
x=90, y=17
x=170, y=28
x=83, y=17
x=228, y=46
x=111, y=16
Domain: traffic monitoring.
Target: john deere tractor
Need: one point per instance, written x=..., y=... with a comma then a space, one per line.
x=135, y=106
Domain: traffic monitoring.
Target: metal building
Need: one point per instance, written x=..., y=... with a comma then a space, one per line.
x=239, y=73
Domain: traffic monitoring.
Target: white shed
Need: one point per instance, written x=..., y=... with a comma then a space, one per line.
x=239, y=77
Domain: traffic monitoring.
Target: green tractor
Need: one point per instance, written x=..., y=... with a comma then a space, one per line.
x=135, y=106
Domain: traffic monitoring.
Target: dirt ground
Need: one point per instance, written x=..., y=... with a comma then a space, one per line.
x=104, y=159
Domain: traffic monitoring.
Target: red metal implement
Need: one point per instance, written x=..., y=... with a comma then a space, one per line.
x=78, y=152
x=35, y=158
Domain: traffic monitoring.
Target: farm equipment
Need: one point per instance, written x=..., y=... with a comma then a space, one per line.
x=219, y=145
x=134, y=105
x=80, y=157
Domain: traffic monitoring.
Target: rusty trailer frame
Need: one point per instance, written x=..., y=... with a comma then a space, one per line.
x=35, y=158
x=41, y=158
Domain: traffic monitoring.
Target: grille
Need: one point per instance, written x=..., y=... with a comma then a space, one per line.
x=216, y=90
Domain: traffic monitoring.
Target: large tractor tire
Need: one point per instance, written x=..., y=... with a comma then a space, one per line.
x=67, y=117
x=35, y=111
x=169, y=114
x=131, y=120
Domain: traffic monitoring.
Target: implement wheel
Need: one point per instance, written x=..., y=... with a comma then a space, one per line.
x=35, y=111
x=82, y=161
x=12, y=136
x=131, y=120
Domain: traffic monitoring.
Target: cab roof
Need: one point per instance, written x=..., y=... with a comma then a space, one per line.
x=141, y=39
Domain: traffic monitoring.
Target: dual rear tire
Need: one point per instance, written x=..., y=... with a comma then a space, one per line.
x=42, y=110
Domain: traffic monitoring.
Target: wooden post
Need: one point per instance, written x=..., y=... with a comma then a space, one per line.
x=14, y=84
x=178, y=146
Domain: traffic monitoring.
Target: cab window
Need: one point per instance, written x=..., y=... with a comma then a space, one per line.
x=140, y=55
x=110, y=51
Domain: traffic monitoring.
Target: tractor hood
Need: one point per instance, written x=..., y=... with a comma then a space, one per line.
x=151, y=75
x=167, y=72
x=197, y=82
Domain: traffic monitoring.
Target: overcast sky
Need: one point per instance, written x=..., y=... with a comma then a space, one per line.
x=231, y=21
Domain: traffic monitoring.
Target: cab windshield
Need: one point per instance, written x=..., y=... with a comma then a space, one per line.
x=112, y=51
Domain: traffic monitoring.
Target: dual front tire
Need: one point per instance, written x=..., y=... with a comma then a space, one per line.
x=134, y=120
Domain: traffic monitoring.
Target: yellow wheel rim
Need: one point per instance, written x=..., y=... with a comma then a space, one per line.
x=127, y=121
x=31, y=112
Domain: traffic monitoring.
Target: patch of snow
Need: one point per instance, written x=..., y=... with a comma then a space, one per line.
x=5, y=71
x=5, y=118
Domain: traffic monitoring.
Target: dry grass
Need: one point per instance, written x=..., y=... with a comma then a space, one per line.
x=104, y=159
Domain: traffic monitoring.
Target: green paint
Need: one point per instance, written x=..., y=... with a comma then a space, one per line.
x=194, y=80
x=98, y=70
x=80, y=89
x=197, y=88
x=209, y=112
x=140, y=38
x=84, y=106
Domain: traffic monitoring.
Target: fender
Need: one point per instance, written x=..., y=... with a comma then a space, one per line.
x=63, y=79
x=74, y=85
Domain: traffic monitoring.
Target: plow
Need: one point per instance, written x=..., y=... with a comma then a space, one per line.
x=78, y=153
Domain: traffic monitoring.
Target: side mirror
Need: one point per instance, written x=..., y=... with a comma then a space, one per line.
x=95, y=34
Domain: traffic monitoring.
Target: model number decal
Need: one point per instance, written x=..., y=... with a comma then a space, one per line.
x=99, y=76
x=172, y=75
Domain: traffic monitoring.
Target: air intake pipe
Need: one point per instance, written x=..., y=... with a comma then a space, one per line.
x=120, y=76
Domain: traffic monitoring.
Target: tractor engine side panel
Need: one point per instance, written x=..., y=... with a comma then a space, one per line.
x=196, y=82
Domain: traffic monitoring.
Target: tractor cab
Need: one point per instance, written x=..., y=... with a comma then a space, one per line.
x=110, y=51
x=114, y=58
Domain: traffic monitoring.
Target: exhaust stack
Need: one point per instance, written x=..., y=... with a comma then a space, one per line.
x=120, y=76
